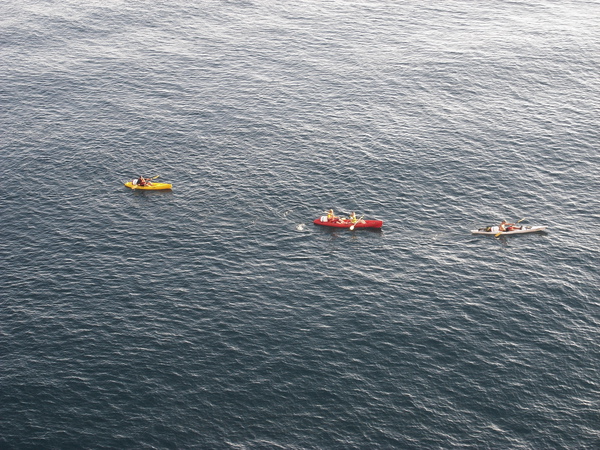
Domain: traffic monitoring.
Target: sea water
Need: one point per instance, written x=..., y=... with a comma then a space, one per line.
x=216, y=315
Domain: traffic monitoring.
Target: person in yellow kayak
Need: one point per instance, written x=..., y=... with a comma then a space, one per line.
x=144, y=181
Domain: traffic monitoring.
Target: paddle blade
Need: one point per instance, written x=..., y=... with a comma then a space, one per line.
x=353, y=225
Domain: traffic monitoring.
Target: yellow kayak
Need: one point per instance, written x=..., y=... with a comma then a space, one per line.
x=152, y=187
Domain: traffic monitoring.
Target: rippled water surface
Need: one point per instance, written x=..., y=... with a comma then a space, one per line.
x=216, y=315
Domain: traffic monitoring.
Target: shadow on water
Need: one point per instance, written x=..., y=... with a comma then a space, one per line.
x=144, y=193
x=504, y=240
x=341, y=231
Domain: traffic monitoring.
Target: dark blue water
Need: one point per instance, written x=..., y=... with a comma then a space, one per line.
x=217, y=315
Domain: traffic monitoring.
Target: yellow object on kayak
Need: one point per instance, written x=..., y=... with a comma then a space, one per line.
x=153, y=187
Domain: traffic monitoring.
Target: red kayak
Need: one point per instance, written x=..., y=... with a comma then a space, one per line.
x=347, y=223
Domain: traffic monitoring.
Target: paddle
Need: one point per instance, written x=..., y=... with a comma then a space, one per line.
x=353, y=225
x=498, y=234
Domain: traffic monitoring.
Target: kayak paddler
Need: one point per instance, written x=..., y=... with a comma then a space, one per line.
x=144, y=181
x=505, y=226
x=331, y=217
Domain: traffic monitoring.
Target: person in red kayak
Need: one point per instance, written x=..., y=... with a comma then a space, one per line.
x=353, y=218
x=331, y=217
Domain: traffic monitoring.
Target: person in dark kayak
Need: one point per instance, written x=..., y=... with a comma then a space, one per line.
x=505, y=226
